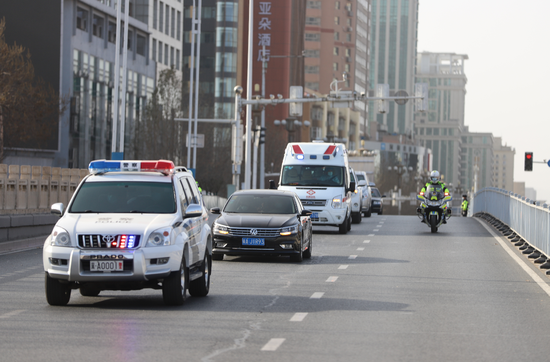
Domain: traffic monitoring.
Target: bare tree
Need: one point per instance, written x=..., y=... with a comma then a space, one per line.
x=29, y=108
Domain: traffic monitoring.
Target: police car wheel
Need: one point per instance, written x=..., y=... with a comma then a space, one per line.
x=56, y=292
x=201, y=286
x=174, y=287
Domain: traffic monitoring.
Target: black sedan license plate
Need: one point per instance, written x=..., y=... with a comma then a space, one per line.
x=254, y=241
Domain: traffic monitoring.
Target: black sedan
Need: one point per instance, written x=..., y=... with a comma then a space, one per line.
x=377, y=204
x=263, y=222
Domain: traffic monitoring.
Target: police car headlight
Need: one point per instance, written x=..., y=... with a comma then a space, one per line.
x=289, y=230
x=60, y=237
x=159, y=237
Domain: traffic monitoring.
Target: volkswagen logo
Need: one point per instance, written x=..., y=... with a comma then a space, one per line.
x=253, y=231
x=109, y=238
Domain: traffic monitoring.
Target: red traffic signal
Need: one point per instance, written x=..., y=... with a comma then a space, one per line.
x=528, y=161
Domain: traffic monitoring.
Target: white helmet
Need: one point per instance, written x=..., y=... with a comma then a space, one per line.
x=434, y=176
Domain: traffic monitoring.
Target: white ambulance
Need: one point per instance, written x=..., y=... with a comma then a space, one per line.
x=318, y=173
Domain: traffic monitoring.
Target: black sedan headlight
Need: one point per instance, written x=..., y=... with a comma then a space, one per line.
x=289, y=230
x=221, y=229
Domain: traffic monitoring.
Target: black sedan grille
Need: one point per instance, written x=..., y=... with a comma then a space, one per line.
x=253, y=232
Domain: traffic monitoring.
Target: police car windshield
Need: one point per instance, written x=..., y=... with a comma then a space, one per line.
x=312, y=175
x=125, y=197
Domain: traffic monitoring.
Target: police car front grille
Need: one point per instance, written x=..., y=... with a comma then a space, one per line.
x=265, y=233
x=307, y=203
x=96, y=241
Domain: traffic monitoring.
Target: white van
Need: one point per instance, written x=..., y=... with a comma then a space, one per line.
x=318, y=173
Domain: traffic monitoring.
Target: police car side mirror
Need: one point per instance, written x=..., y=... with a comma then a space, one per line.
x=193, y=210
x=57, y=208
x=215, y=210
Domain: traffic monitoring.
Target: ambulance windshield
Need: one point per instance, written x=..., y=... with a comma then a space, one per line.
x=312, y=175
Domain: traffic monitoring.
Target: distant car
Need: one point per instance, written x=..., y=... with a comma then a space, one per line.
x=363, y=182
x=377, y=204
x=356, y=199
x=263, y=222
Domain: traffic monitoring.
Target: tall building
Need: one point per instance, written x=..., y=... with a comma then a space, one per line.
x=392, y=61
x=72, y=46
x=345, y=26
x=439, y=128
x=503, y=166
x=476, y=159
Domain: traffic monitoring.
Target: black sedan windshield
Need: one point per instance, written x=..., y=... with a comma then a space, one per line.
x=125, y=197
x=260, y=204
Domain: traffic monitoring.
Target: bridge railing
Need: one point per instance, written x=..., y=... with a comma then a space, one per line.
x=528, y=218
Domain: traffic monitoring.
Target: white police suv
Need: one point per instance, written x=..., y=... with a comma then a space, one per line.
x=130, y=225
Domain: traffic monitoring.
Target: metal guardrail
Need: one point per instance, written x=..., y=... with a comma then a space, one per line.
x=528, y=218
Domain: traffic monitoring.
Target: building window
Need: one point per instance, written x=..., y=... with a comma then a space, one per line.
x=310, y=69
x=177, y=59
x=97, y=26
x=309, y=53
x=336, y=51
x=348, y=6
x=112, y=33
x=310, y=20
x=82, y=19
x=166, y=55
x=313, y=37
x=347, y=68
x=312, y=85
x=348, y=37
x=335, y=66
x=154, y=52
x=160, y=52
x=161, y=17
x=337, y=5
x=173, y=24
x=337, y=20
x=336, y=36
x=167, y=20
x=155, y=13
x=178, y=36
x=140, y=49
x=348, y=52
x=172, y=57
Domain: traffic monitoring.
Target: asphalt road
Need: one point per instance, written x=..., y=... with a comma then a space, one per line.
x=387, y=291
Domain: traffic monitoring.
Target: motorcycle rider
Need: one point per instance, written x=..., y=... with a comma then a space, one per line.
x=464, y=205
x=436, y=182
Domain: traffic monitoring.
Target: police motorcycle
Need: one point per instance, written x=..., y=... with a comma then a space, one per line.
x=433, y=210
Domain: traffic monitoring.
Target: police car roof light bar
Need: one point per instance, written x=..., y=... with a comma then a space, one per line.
x=102, y=166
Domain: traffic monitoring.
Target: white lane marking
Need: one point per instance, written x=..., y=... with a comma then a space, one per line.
x=273, y=344
x=379, y=226
x=366, y=241
x=11, y=314
x=370, y=235
x=343, y=267
x=331, y=279
x=360, y=249
x=544, y=286
x=317, y=295
x=298, y=317
x=352, y=257
x=376, y=229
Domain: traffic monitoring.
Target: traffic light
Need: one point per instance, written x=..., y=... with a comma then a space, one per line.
x=262, y=135
x=528, y=161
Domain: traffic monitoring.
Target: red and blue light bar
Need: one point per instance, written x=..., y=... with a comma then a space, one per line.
x=101, y=166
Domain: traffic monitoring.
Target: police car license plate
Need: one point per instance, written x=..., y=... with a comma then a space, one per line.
x=254, y=241
x=106, y=265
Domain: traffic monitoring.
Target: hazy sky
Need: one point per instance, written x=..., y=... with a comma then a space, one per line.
x=508, y=71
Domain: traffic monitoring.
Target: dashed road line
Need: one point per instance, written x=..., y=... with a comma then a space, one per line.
x=360, y=249
x=317, y=295
x=11, y=314
x=370, y=235
x=298, y=317
x=366, y=241
x=273, y=344
x=343, y=267
x=352, y=257
x=331, y=279
x=376, y=230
